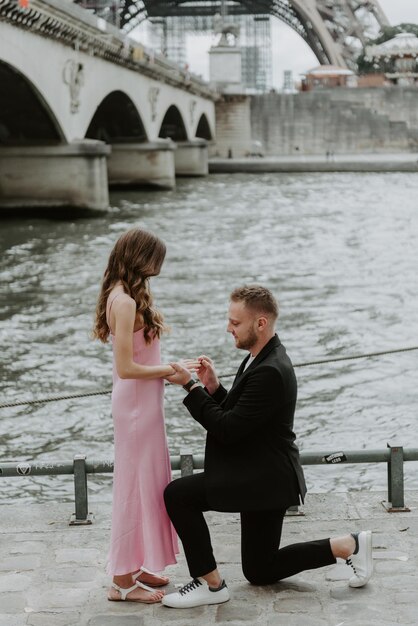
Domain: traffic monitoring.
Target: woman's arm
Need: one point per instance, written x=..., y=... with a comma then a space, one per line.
x=124, y=315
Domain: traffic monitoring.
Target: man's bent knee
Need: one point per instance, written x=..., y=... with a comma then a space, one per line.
x=259, y=576
x=176, y=492
x=170, y=493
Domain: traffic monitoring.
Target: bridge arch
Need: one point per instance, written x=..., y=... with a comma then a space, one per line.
x=172, y=126
x=25, y=117
x=117, y=120
x=203, y=130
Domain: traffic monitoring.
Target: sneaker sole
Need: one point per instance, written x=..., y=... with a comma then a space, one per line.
x=356, y=584
x=194, y=604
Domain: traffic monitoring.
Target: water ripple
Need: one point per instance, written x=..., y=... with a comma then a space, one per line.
x=339, y=251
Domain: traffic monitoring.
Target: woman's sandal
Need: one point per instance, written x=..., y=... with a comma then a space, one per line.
x=164, y=580
x=124, y=593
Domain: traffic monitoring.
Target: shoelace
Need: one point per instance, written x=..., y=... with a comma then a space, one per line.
x=194, y=584
x=350, y=562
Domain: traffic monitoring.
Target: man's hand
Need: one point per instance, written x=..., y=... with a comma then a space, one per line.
x=181, y=376
x=207, y=374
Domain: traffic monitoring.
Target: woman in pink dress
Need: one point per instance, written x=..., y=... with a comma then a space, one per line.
x=143, y=540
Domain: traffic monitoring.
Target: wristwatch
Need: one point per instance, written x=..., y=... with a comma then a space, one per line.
x=189, y=385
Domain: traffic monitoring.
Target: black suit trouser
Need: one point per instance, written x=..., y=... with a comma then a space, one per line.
x=263, y=563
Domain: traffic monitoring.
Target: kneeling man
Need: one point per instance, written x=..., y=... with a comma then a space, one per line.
x=251, y=466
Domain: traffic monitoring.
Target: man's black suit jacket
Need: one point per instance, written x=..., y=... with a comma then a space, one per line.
x=251, y=460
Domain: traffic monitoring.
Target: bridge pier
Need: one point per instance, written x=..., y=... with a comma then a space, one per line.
x=64, y=175
x=142, y=164
x=191, y=158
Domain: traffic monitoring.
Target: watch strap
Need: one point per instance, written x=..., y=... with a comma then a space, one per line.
x=189, y=385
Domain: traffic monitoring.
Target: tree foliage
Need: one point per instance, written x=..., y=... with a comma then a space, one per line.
x=367, y=66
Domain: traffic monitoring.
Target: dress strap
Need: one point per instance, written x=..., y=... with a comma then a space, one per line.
x=110, y=308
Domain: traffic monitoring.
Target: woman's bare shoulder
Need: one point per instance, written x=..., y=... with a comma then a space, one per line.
x=123, y=305
x=123, y=302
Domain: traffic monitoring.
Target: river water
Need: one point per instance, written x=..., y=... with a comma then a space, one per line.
x=338, y=250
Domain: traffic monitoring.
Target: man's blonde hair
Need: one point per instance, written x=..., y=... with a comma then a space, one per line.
x=257, y=298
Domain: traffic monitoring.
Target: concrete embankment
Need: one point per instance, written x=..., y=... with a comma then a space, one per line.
x=342, y=121
x=338, y=163
x=53, y=575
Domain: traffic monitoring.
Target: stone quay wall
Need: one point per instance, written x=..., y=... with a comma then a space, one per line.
x=338, y=121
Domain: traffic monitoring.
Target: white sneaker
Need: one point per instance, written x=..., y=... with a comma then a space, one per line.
x=361, y=560
x=196, y=593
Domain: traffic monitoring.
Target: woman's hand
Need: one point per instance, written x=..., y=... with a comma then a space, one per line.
x=181, y=374
x=193, y=365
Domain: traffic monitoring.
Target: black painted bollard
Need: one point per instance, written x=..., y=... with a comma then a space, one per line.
x=81, y=516
x=396, y=500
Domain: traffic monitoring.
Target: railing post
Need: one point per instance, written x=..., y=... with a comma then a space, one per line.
x=81, y=515
x=395, y=501
x=186, y=463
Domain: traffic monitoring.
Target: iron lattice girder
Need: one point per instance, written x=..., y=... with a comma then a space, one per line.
x=351, y=23
x=179, y=8
x=334, y=29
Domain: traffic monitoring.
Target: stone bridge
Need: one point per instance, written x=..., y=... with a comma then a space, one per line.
x=83, y=106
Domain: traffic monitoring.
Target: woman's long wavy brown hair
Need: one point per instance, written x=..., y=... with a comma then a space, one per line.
x=137, y=255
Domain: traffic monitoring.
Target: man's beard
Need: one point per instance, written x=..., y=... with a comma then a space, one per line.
x=249, y=341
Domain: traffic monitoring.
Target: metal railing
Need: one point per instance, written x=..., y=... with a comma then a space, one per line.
x=100, y=392
x=186, y=463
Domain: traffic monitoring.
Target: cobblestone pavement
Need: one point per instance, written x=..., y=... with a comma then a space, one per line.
x=53, y=575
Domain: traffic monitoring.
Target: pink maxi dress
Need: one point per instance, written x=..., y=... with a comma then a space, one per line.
x=142, y=533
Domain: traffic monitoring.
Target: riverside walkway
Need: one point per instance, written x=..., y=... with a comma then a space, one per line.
x=399, y=162
x=53, y=575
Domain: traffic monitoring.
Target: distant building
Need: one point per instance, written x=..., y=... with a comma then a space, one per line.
x=288, y=82
x=328, y=76
x=400, y=54
x=377, y=79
